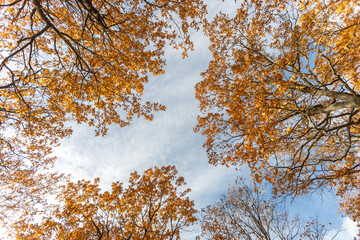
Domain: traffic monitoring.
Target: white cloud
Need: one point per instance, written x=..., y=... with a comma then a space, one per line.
x=349, y=227
x=346, y=230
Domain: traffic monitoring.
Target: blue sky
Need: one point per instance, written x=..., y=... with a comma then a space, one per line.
x=169, y=140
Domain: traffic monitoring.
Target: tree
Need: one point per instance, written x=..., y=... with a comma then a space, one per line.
x=85, y=61
x=151, y=207
x=245, y=214
x=282, y=95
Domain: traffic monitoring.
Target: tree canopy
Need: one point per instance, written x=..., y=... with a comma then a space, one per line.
x=83, y=61
x=153, y=206
x=281, y=95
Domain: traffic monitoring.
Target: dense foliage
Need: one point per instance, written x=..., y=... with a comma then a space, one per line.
x=84, y=61
x=281, y=95
x=153, y=206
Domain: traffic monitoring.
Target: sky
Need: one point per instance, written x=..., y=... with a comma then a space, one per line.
x=169, y=140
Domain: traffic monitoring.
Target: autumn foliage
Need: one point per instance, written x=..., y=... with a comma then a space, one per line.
x=152, y=206
x=83, y=61
x=282, y=95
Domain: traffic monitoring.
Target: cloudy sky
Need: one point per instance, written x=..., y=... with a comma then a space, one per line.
x=169, y=140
